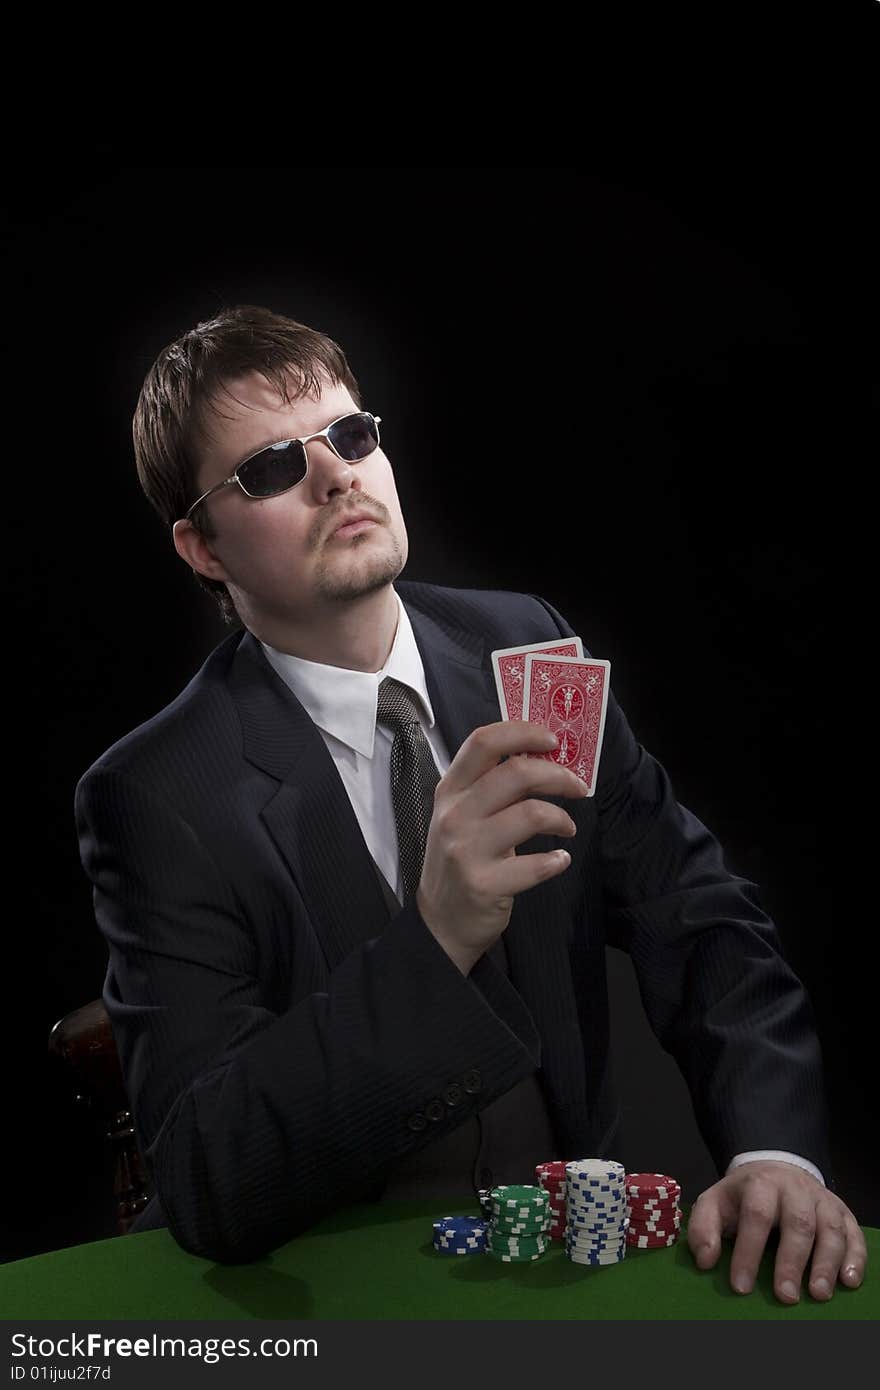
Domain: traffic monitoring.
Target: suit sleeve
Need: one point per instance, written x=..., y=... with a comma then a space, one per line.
x=717, y=991
x=254, y=1124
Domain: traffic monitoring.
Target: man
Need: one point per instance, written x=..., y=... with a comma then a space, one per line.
x=309, y=1011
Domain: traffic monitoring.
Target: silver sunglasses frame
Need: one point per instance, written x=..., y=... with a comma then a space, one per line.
x=304, y=440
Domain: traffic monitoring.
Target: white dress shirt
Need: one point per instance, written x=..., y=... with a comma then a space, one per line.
x=343, y=703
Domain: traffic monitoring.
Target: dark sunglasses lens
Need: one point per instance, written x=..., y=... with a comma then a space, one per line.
x=275, y=469
x=355, y=436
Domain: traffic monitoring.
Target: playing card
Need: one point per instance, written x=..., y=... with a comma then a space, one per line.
x=508, y=663
x=569, y=695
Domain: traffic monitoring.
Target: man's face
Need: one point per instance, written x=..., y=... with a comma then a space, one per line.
x=278, y=555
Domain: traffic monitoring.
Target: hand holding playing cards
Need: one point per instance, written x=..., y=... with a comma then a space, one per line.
x=483, y=809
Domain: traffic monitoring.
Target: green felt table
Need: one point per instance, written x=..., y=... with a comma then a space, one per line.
x=377, y=1261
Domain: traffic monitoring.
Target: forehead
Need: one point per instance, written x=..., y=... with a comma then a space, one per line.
x=248, y=413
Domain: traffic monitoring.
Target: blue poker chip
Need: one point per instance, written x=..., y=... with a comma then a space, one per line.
x=460, y=1235
x=459, y=1225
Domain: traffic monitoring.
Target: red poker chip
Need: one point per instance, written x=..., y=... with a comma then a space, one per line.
x=649, y=1180
x=668, y=1222
x=651, y=1242
x=651, y=1184
x=671, y=1205
x=655, y=1218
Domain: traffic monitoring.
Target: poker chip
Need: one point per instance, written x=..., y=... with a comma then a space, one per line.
x=639, y=1209
x=592, y=1206
x=519, y=1230
x=512, y=1195
x=669, y=1223
x=650, y=1242
x=601, y=1208
x=597, y=1216
x=595, y=1243
x=652, y=1185
x=655, y=1216
x=551, y=1176
x=554, y=1171
x=595, y=1167
x=528, y=1245
x=596, y=1260
x=460, y=1235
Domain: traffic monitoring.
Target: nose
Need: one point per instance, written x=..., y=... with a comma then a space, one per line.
x=328, y=472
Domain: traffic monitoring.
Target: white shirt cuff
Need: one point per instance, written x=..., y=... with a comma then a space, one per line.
x=739, y=1159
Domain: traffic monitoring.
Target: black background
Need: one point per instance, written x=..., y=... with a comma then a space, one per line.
x=603, y=386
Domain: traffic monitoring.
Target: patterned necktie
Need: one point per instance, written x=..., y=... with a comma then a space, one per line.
x=414, y=776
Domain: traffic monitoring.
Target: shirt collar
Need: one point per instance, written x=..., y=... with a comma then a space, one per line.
x=344, y=702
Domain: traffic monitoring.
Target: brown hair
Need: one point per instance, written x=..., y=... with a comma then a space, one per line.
x=170, y=423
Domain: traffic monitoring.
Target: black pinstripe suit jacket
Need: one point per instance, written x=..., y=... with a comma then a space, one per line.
x=279, y=1024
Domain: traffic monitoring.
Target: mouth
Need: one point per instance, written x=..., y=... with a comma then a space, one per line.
x=354, y=524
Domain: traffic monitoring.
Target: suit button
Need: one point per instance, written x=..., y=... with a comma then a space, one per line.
x=417, y=1121
x=435, y=1110
x=472, y=1081
x=452, y=1094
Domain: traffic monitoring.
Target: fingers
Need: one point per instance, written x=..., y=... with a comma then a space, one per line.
x=856, y=1258
x=816, y=1229
x=484, y=748
x=481, y=753
x=521, y=872
x=520, y=822
x=799, y=1230
x=840, y=1249
x=712, y=1215
x=759, y=1212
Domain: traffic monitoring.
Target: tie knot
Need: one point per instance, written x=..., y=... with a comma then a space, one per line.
x=396, y=705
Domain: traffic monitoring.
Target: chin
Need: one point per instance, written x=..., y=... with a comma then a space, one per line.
x=378, y=575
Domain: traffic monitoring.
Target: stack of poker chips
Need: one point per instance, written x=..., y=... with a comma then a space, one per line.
x=520, y=1221
x=597, y=1220
x=460, y=1235
x=551, y=1176
x=654, y=1213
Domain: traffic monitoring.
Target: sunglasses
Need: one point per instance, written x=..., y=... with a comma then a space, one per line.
x=279, y=467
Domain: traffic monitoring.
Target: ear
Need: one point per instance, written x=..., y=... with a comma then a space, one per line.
x=195, y=550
